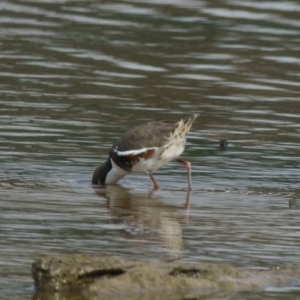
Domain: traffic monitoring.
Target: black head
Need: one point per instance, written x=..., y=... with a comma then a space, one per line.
x=101, y=172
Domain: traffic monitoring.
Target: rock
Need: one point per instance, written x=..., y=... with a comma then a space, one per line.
x=75, y=271
x=95, y=277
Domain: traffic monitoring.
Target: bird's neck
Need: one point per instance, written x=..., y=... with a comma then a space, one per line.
x=115, y=173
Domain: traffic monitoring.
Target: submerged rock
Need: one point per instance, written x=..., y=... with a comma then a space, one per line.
x=223, y=144
x=79, y=277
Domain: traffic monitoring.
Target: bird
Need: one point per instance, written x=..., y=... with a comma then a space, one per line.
x=144, y=149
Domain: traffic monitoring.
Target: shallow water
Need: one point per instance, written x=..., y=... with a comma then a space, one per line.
x=75, y=75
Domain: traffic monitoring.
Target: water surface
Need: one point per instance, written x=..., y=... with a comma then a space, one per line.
x=75, y=75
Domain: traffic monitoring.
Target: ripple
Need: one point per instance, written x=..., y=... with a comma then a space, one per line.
x=237, y=14
x=195, y=77
x=284, y=59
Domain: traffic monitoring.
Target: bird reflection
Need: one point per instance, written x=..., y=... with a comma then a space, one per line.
x=147, y=216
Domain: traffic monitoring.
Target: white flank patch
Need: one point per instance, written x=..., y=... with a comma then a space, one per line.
x=133, y=152
x=155, y=162
x=115, y=174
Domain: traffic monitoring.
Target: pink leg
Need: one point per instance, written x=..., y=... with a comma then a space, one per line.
x=188, y=167
x=155, y=183
x=187, y=206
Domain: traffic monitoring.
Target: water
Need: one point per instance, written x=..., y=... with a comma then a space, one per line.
x=75, y=75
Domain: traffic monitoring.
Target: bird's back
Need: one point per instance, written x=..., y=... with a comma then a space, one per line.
x=153, y=134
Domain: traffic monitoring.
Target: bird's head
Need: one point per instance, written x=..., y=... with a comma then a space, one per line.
x=100, y=173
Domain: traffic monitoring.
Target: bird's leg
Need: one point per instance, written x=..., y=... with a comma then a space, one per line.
x=188, y=167
x=187, y=206
x=155, y=183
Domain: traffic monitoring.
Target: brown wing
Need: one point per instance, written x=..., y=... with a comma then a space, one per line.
x=149, y=135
